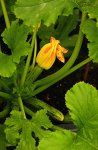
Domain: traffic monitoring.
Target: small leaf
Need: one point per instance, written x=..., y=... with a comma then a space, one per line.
x=15, y=37
x=14, y=124
x=40, y=118
x=91, y=30
x=19, y=131
x=33, y=12
x=26, y=140
x=41, y=124
x=7, y=67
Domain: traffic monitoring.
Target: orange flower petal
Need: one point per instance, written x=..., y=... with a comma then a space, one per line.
x=62, y=49
x=60, y=56
x=59, y=53
x=49, y=61
x=47, y=55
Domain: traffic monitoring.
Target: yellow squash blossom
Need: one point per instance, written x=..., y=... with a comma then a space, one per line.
x=48, y=53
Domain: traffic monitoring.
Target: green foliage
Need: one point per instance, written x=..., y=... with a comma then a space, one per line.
x=61, y=30
x=7, y=67
x=33, y=12
x=58, y=140
x=90, y=28
x=61, y=140
x=20, y=131
x=5, y=83
x=82, y=101
x=15, y=37
x=89, y=6
x=9, y=6
x=2, y=138
x=57, y=18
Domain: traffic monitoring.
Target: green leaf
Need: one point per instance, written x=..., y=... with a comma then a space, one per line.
x=14, y=125
x=66, y=140
x=91, y=30
x=82, y=101
x=19, y=131
x=44, y=119
x=57, y=141
x=33, y=12
x=61, y=30
x=26, y=140
x=7, y=67
x=2, y=138
x=41, y=123
x=88, y=6
x=15, y=37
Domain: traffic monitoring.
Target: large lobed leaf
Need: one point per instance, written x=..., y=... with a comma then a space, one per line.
x=26, y=140
x=19, y=131
x=35, y=11
x=82, y=101
x=57, y=141
x=15, y=37
x=90, y=29
x=65, y=140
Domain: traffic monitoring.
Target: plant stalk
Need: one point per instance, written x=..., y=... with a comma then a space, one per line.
x=5, y=111
x=21, y=106
x=28, y=111
x=28, y=59
x=5, y=95
x=42, y=88
x=5, y=13
x=34, y=57
x=33, y=74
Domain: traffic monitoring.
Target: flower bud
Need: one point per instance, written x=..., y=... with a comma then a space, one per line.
x=48, y=53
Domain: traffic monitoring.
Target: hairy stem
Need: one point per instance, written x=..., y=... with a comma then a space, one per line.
x=34, y=74
x=28, y=59
x=28, y=111
x=5, y=13
x=5, y=95
x=21, y=106
x=5, y=111
x=34, y=57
